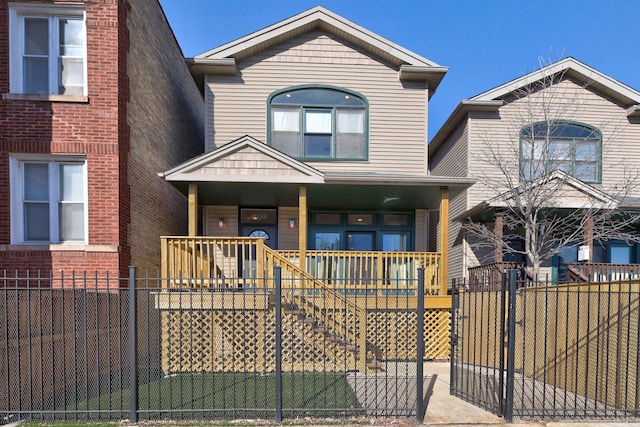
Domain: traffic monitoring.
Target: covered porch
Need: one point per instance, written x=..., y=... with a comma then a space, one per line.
x=350, y=229
x=351, y=249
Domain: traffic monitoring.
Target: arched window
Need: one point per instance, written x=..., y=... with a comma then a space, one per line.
x=318, y=123
x=574, y=148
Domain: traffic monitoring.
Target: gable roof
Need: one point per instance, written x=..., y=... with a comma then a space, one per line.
x=411, y=66
x=492, y=99
x=598, y=198
x=222, y=165
x=574, y=69
x=601, y=198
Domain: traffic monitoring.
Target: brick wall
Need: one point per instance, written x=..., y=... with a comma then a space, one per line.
x=88, y=128
x=165, y=117
x=143, y=116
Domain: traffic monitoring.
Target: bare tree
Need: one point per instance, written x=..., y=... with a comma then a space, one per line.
x=540, y=175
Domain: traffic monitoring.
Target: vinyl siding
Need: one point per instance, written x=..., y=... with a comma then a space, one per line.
x=249, y=162
x=422, y=233
x=451, y=159
x=573, y=102
x=287, y=237
x=230, y=216
x=236, y=105
x=457, y=264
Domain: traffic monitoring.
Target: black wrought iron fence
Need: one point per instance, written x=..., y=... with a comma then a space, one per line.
x=557, y=351
x=92, y=347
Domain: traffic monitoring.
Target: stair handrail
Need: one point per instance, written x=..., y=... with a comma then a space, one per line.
x=360, y=313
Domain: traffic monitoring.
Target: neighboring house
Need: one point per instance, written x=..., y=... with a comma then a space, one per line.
x=594, y=123
x=96, y=99
x=316, y=140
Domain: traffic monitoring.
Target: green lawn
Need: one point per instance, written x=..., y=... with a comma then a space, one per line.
x=229, y=396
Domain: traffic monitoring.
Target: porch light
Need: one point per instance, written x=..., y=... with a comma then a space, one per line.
x=221, y=223
x=292, y=223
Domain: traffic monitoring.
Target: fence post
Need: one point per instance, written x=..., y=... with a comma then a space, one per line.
x=503, y=340
x=420, y=409
x=511, y=345
x=133, y=350
x=277, y=272
x=455, y=306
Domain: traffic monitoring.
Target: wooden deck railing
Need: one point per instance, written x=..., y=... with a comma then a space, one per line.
x=357, y=272
x=489, y=276
x=210, y=262
x=227, y=262
x=601, y=272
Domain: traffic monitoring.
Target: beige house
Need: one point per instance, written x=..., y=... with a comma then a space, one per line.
x=316, y=161
x=594, y=125
x=316, y=139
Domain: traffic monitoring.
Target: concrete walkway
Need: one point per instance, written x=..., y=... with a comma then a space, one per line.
x=446, y=410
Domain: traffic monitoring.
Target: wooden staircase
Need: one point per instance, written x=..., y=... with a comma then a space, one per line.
x=212, y=262
x=342, y=321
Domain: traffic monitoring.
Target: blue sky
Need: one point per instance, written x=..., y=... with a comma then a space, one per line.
x=483, y=42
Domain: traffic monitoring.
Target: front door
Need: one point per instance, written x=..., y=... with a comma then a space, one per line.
x=268, y=232
x=260, y=223
x=257, y=223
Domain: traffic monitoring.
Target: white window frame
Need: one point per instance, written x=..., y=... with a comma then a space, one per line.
x=16, y=165
x=17, y=14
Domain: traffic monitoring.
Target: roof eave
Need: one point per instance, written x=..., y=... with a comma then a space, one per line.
x=572, y=68
x=318, y=17
x=456, y=117
x=432, y=75
x=200, y=67
x=633, y=111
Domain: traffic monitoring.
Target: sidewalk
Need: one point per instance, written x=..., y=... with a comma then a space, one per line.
x=446, y=410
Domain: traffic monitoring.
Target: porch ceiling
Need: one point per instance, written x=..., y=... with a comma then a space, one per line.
x=336, y=194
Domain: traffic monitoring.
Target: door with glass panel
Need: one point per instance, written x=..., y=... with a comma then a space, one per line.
x=261, y=223
x=398, y=268
x=362, y=267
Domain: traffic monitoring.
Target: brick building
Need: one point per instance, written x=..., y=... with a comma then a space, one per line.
x=96, y=100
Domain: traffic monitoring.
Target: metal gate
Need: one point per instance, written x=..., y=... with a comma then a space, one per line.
x=548, y=351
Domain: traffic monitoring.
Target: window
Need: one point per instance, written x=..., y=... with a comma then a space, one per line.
x=395, y=241
x=571, y=147
x=48, y=50
x=48, y=200
x=328, y=240
x=318, y=123
x=361, y=231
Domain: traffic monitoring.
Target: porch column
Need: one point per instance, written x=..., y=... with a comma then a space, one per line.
x=302, y=226
x=193, y=209
x=497, y=231
x=588, y=237
x=444, y=238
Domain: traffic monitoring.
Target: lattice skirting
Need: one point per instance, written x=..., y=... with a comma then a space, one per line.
x=393, y=333
x=244, y=340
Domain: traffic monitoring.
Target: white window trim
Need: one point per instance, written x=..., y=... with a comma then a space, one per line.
x=17, y=206
x=17, y=11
